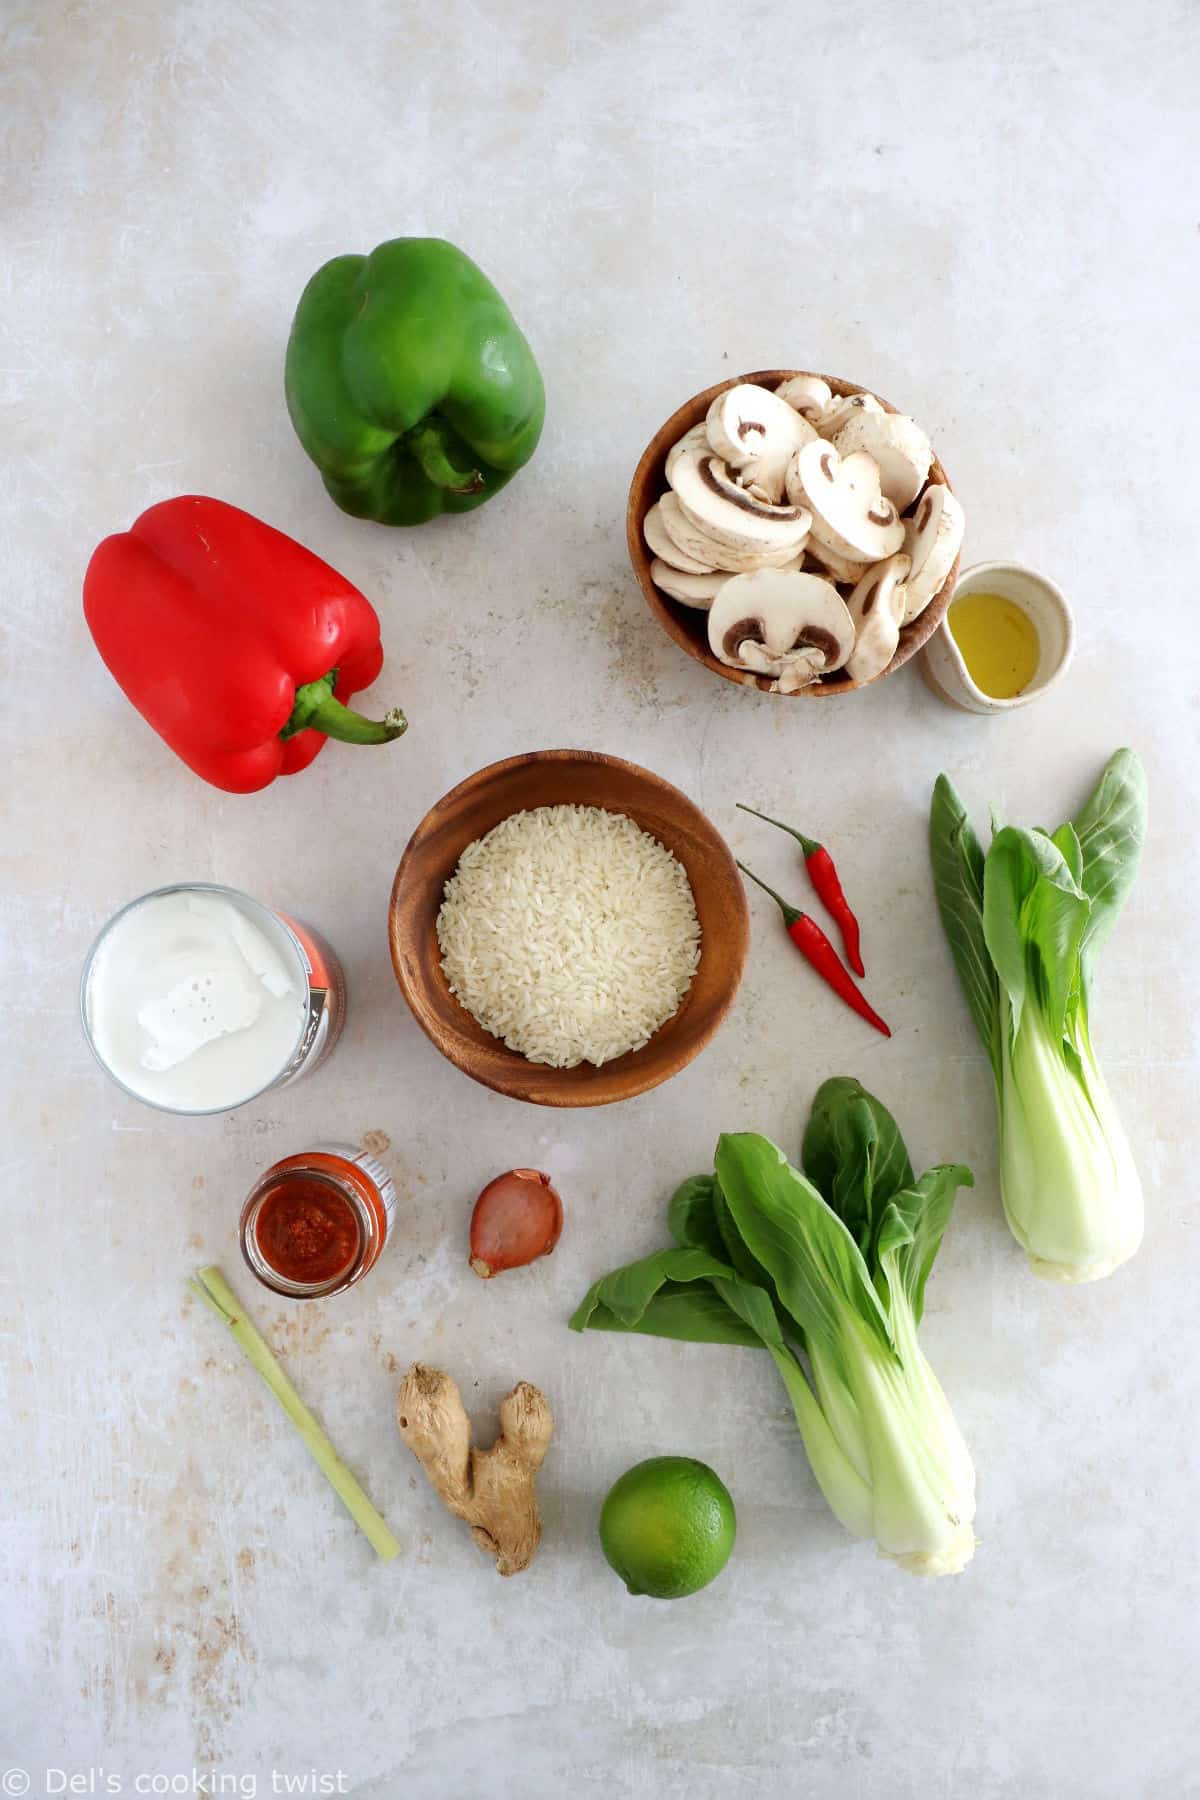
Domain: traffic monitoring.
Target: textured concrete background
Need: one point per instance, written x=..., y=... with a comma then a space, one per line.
x=990, y=213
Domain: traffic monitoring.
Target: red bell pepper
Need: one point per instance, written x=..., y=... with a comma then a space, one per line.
x=231, y=639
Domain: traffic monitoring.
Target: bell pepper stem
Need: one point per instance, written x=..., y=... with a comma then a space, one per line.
x=317, y=708
x=425, y=443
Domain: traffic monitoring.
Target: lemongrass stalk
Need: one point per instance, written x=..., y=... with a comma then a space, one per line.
x=211, y=1287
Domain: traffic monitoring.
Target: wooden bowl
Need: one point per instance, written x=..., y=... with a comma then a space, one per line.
x=556, y=778
x=687, y=624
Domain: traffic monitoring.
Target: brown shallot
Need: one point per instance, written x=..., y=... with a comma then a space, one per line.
x=518, y=1217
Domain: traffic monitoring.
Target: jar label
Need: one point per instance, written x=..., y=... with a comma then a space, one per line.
x=326, y=1001
x=378, y=1177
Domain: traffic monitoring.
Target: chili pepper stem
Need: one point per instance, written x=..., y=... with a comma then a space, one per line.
x=317, y=708
x=424, y=441
x=790, y=913
x=810, y=846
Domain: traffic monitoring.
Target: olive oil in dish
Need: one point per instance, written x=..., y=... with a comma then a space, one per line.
x=998, y=641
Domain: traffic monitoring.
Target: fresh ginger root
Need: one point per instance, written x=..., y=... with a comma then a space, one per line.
x=492, y=1490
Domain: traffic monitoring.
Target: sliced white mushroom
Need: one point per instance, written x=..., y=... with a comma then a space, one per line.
x=877, y=608
x=841, y=409
x=825, y=561
x=797, y=672
x=664, y=546
x=782, y=623
x=849, y=513
x=714, y=501
x=761, y=490
x=756, y=434
x=689, y=589
x=899, y=447
x=932, y=538
x=700, y=547
x=695, y=439
x=807, y=393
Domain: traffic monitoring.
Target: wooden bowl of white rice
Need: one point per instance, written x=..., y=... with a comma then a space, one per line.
x=568, y=928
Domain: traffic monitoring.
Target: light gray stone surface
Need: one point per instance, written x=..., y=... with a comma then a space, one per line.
x=988, y=212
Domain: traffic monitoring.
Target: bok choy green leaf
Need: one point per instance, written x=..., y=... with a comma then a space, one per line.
x=830, y=1267
x=1025, y=922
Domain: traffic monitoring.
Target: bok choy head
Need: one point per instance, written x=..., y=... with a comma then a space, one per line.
x=1025, y=923
x=829, y=1265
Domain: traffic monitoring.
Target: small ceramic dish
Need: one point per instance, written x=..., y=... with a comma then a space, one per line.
x=687, y=625
x=942, y=662
x=557, y=778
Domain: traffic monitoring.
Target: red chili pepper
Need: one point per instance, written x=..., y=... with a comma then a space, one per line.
x=230, y=639
x=812, y=944
x=824, y=878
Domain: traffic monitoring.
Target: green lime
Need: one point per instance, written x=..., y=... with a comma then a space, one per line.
x=667, y=1527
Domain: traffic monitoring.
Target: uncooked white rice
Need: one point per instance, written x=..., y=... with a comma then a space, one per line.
x=569, y=932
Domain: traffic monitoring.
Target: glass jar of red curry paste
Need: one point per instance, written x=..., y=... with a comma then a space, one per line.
x=317, y=1222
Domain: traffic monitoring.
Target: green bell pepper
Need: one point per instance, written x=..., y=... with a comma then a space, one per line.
x=409, y=383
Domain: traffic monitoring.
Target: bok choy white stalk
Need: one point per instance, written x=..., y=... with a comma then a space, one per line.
x=830, y=1265
x=1025, y=923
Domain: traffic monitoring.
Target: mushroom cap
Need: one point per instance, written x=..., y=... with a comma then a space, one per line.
x=688, y=588
x=778, y=621
x=714, y=500
x=664, y=546
x=899, y=447
x=695, y=439
x=877, y=609
x=849, y=513
x=703, y=548
x=753, y=431
x=809, y=394
x=842, y=408
x=932, y=539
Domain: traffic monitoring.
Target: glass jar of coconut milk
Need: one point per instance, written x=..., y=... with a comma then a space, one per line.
x=197, y=999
